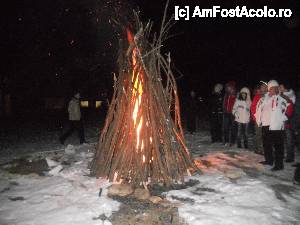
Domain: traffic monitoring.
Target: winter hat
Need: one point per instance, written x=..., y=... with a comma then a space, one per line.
x=263, y=82
x=231, y=84
x=218, y=88
x=245, y=90
x=272, y=83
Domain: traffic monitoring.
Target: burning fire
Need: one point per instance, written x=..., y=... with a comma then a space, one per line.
x=137, y=93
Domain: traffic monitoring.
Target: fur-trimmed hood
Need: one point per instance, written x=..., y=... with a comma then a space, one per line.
x=247, y=91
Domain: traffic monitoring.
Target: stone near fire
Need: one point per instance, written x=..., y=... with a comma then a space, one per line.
x=70, y=150
x=120, y=190
x=56, y=170
x=141, y=194
x=234, y=173
x=155, y=199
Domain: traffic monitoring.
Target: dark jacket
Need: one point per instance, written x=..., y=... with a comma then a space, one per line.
x=191, y=106
x=216, y=103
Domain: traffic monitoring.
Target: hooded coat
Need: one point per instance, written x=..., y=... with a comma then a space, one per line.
x=241, y=108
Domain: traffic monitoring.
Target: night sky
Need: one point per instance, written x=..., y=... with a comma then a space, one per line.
x=50, y=47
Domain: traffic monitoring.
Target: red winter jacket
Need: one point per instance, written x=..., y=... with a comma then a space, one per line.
x=228, y=103
x=254, y=104
x=289, y=112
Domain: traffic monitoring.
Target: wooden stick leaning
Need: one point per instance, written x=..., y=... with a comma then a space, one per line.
x=142, y=140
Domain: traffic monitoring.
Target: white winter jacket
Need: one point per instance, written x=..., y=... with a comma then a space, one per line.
x=241, y=111
x=278, y=116
x=74, y=110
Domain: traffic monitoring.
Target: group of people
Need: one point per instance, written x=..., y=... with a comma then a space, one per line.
x=274, y=112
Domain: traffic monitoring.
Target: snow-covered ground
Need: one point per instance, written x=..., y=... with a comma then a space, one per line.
x=65, y=196
x=217, y=200
x=233, y=189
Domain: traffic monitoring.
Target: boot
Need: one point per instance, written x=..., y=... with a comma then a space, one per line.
x=277, y=167
x=61, y=140
x=289, y=160
x=266, y=163
x=239, y=144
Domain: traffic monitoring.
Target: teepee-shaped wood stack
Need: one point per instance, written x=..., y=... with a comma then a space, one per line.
x=142, y=140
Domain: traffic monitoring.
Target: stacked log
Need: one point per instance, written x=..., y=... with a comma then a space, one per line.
x=142, y=139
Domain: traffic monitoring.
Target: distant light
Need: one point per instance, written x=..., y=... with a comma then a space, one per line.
x=72, y=42
x=49, y=53
x=84, y=104
x=20, y=19
x=98, y=104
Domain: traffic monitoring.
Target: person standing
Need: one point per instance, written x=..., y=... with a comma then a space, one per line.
x=262, y=90
x=74, y=119
x=289, y=139
x=191, y=112
x=271, y=113
x=228, y=119
x=241, y=112
x=296, y=120
x=216, y=113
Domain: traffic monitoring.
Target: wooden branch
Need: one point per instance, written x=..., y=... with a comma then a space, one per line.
x=142, y=138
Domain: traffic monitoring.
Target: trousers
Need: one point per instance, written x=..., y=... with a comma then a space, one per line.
x=216, y=120
x=242, y=134
x=229, y=130
x=273, y=139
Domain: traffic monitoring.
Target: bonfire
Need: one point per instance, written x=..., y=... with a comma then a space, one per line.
x=142, y=140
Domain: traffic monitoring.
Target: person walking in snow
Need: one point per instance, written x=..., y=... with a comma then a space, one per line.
x=261, y=91
x=289, y=139
x=228, y=119
x=74, y=119
x=271, y=113
x=241, y=112
x=216, y=113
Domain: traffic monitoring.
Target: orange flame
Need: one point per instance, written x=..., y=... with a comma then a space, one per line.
x=137, y=93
